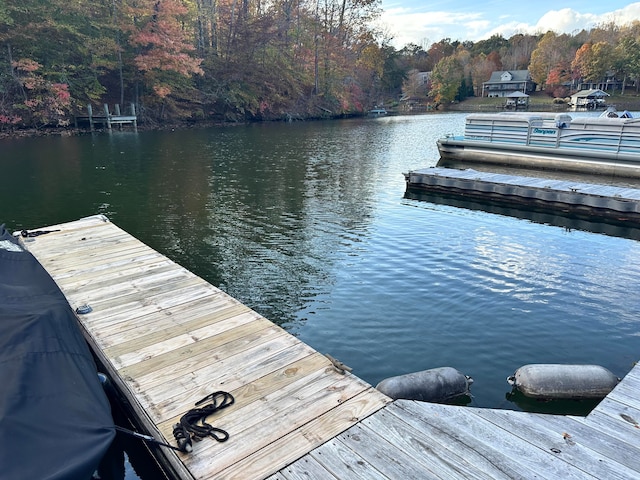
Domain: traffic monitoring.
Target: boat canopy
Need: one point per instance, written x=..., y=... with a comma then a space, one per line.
x=55, y=418
x=517, y=116
x=607, y=121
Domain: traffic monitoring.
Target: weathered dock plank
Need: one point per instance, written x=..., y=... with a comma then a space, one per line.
x=568, y=447
x=588, y=431
x=401, y=429
x=341, y=461
x=491, y=442
x=168, y=338
x=289, y=448
x=150, y=330
x=391, y=462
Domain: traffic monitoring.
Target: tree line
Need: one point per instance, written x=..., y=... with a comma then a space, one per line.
x=243, y=60
x=186, y=59
x=558, y=63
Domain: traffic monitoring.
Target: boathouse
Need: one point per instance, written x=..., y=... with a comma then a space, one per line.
x=589, y=99
x=517, y=100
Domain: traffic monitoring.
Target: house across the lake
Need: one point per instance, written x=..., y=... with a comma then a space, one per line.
x=503, y=83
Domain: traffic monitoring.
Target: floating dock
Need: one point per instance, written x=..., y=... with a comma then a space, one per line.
x=593, y=200
x=168, y=338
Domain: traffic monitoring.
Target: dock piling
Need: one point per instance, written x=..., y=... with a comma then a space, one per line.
x=107, y=116
x=90, y=112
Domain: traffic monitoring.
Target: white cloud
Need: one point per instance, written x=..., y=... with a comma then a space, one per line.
x=407, y=25
x=428, y=27
x=625, y=15
x=566, y=21
x=507, y=30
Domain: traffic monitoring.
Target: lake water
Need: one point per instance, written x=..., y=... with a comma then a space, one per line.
x=308, y=224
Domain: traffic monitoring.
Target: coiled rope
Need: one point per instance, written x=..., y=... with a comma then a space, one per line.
x=193, y=425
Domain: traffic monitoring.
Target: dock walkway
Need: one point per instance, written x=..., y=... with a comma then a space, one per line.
x=168, y=338
x=601, y=201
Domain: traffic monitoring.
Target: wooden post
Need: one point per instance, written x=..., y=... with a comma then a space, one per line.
x=135, y=117
x=117, y=112
x=90, y=112
x=108, y=119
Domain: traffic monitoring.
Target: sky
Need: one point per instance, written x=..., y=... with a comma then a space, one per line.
x=425, y=22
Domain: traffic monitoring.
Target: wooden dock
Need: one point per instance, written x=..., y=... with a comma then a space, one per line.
x=168, y=338
x=108, y=119
x=593, y=200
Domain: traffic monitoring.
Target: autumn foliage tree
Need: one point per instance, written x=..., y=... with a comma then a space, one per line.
x=557, y=79
x=163, y=45
x=44, y=102
x=446, y=79
x=582, y=60
x=163, y=41
x=552, y=50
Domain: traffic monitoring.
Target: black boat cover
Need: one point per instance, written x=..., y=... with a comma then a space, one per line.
x=55, y=419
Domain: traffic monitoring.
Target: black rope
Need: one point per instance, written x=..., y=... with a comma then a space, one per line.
x=35, y=233
x=146, y=438
x=193, y=425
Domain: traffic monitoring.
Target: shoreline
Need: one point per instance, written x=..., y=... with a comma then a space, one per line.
x=471, y=105
x=73, y=131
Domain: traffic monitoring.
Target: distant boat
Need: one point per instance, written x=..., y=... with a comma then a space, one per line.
x=608, y=145
x=55, y=418
x=378, y=112
x=611, y=112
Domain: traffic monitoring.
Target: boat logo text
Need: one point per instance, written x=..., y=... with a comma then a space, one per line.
x=545, y=131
